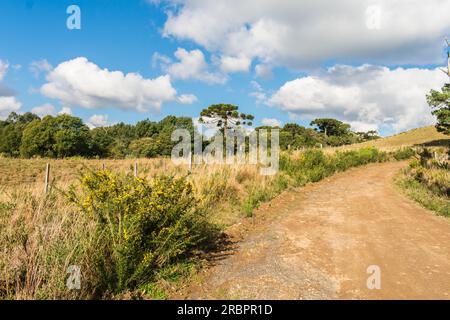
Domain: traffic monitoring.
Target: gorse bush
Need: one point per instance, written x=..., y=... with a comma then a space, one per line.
x=142, y=226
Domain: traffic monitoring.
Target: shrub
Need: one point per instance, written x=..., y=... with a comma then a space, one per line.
x=142, y=226
x=404, y=154
x=314, y=165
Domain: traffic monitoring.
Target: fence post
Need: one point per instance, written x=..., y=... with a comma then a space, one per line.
x=103, y=166
x=190, y=161
x=135, y=169
x=47, y=176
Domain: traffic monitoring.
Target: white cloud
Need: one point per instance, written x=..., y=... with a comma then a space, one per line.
x=358, y=126
x=235, y=64
x=98, y=120
x=36, y=67
x=3, y=69
x=44, y=110
x=307, y=32
x=158, y=59
x=271, y=122
x=366, y=96
x=258, y=93
x=187, y=99
x=192, y=65
x=7, y=105
x=263, y=71
x=79, y=82
x=65, y=110
x=8, y=102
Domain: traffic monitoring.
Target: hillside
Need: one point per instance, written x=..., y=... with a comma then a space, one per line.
x=420, y=136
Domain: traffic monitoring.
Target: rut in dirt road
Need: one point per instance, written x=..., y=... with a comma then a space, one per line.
x=326, y=235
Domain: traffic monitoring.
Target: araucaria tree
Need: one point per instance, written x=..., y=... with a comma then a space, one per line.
x=440, y=102
x=225, y=117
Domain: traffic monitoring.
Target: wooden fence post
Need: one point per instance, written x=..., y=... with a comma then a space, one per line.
x=135, y=169
x=47, y=177
x=190, y=161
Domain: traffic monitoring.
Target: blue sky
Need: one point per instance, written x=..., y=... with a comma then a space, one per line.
x=365, y=74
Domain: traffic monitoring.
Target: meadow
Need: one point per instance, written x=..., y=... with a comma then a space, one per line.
x=136, y=237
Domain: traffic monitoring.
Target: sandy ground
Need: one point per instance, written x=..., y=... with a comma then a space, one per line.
x=317, y=243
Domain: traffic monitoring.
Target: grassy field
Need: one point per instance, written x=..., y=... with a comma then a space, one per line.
x=427, y=136
x=42, y=234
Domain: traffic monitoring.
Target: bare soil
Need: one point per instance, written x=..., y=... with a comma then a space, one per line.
x=318, y=241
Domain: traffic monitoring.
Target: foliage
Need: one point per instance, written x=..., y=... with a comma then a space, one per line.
x=58, y=137
x=427, y=180
x=404, y=154
x=331, y=127
x=225, y=116
x=440, y=103
x=66, y=136
x=313, y=165
x=143, y=225
x=11, y=132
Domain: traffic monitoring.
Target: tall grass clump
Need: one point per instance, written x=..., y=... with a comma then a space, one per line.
x=427, y=180
x=41, y=236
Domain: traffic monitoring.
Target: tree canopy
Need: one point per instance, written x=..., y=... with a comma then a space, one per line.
x=225, y=116
x=27, y=135
x=439, y=101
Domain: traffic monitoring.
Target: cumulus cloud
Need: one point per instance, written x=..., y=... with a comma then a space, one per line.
x=65, y=110
x=364, y=96
x=79, y=82
x=304, y=33
x=263, y=71
x=7, y=105
x=44, y=110
x=187, y=99
x=271, y=122
x=37, y=67
x=190, y=65
x=98, y=120
x=8, y=102
x=235, y=64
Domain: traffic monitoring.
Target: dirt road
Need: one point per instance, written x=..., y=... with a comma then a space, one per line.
x=319, y=241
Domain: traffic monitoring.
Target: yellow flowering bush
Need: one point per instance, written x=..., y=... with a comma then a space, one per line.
x=142, y=225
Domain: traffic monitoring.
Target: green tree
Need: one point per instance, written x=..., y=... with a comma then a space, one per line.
x=225, y=116
x=11, y=132
x=439, y=101
x=100, y=142
x=331, y=127
x=61, y=136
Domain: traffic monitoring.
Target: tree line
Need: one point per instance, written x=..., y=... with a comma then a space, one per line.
x=27, y=135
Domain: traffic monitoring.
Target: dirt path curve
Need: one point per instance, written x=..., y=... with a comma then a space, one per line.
x=322, y=238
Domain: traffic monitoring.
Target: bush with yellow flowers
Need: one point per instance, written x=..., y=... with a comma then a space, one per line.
x=142, y=225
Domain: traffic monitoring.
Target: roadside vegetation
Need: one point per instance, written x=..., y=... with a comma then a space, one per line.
x=143, y=236
x=427, y=180
x=134, y=237
x=29, y=136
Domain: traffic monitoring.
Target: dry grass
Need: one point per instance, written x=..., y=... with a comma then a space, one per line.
x=415, y=137
x=29, y=219
x=223, y=187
